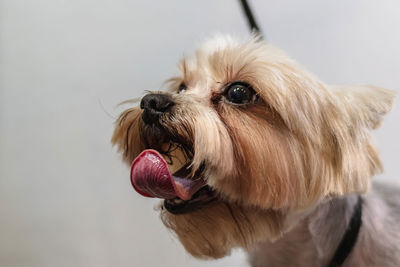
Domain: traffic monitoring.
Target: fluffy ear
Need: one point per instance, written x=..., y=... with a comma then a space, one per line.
x=365, y=104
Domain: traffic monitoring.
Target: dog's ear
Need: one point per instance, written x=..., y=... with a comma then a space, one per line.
x=353, y=158
x=365, y=104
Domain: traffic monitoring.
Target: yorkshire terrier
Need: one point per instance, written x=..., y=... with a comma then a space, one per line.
x=249, y=150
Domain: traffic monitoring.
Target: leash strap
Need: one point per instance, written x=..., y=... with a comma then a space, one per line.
x=350, y=236
x=250, y=18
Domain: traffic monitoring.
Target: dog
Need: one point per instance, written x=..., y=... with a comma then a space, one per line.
x=249, y=150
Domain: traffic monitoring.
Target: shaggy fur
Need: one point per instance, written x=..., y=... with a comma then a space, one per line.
x=285, y=167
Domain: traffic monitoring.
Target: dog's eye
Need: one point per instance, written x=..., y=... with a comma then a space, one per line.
x=181, y=88
x=239, y=93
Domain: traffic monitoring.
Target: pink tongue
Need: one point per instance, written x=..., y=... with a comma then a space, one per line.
x=151, y=178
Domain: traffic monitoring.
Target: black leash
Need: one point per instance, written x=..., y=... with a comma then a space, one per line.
x=250, y=18
x=350, y=236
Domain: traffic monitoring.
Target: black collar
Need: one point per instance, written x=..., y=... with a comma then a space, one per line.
x=350, y=236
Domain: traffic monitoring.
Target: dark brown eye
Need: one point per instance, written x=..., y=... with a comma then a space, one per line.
x=239, y=93
x=181, y=88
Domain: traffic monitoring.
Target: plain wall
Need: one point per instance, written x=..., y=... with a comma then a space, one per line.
x=65, y=196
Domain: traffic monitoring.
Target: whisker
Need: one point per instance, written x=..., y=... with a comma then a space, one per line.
x=130, y=101
x=104, y=109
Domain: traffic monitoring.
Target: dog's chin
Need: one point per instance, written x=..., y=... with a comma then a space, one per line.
x=214, y=229
x=201, y=199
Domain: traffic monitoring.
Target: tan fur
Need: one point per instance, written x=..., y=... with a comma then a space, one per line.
x=302, y=142
x=213, y=231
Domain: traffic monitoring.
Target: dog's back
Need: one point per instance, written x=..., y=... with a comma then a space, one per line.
x=320, y=233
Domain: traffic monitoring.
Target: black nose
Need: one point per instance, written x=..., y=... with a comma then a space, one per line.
x=154, y=105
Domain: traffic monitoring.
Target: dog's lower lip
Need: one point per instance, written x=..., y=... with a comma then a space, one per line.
x=200, y=199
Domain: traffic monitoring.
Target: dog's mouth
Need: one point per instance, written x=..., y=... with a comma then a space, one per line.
x=183, y=190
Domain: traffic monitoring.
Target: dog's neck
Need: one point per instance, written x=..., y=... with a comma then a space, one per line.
x=311, y=242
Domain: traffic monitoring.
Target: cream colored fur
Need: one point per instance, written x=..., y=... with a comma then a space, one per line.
x=271, y=162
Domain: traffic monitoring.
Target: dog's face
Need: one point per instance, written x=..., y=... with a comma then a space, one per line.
x=266, y=139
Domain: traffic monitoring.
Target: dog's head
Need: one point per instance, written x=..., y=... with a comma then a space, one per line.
x=250, y=139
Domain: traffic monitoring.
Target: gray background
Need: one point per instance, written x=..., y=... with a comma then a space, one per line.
x=65, y=196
